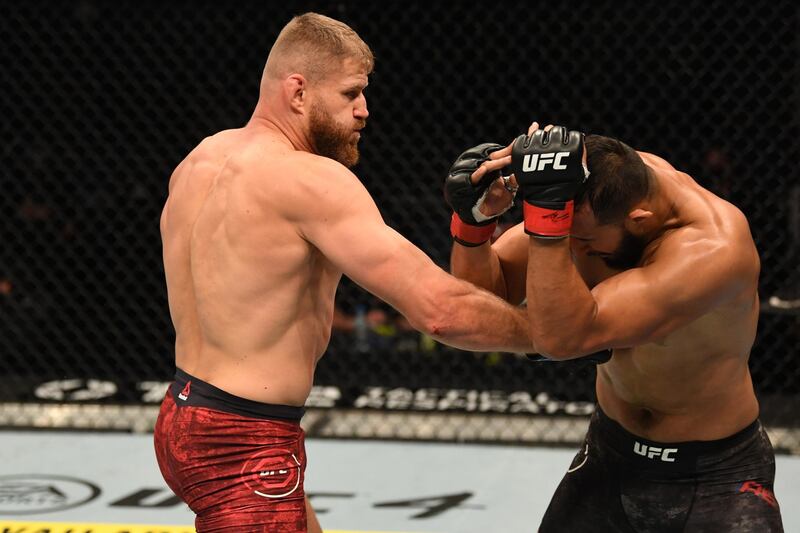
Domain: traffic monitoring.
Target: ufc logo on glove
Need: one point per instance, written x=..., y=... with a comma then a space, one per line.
x=534, y=162
x=549, y=169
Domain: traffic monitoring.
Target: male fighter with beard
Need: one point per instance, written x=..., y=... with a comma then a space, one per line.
x=259, y=226
x=638, y=259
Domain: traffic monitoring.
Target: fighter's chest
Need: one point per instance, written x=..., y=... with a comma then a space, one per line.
x=674, y=362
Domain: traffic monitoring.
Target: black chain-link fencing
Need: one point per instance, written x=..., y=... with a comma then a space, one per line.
x=101, y=100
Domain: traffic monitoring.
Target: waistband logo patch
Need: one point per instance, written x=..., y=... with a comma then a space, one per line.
x=655, y=452
x=184, y=394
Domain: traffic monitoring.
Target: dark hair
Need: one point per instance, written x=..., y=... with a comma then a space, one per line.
x=618, y=179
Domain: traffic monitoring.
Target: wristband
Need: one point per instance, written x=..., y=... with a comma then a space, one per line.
x=470, y=235
x=547, y=223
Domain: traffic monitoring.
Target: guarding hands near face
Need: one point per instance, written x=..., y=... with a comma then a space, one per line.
x=478, y=193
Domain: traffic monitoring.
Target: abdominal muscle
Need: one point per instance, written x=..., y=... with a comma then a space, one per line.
x=666, y=396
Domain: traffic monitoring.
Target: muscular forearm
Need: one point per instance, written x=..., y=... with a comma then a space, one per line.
x=560, y=305
x=477, y=320
x=480, y=266
x=461, y=315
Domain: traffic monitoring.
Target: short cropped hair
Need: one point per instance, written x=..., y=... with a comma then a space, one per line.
x=314, y=45
x=618, y=179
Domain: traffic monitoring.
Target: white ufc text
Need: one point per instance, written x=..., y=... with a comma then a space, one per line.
x=532, y=162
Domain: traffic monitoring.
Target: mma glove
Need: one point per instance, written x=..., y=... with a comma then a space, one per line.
x=468, y=225
x=549, y=169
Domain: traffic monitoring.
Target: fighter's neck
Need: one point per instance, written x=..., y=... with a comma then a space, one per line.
x=285, y=131
x=669, y=203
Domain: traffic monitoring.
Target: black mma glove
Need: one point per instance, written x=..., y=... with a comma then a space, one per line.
x=468, y=225
x=549, y=170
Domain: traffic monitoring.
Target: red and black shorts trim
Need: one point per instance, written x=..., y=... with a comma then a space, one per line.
x=193, y=392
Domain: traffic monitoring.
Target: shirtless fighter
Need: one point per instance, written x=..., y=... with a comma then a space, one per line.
x=259, y=226
x=639, y=259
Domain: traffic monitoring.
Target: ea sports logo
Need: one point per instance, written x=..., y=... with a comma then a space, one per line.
x=22, y=494
x=272, y=473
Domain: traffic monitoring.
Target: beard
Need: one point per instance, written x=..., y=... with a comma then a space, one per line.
x=331, y=139
x=628, y=254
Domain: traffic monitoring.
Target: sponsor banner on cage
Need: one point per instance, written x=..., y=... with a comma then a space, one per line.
x=468, y=400
x=430, y=399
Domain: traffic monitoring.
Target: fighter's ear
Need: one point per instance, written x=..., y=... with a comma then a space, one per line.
x=295, y=91
x=639, y=215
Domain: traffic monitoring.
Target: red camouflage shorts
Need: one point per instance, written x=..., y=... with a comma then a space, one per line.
x=238, y=464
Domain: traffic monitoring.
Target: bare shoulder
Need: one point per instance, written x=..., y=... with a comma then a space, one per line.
x=723, y=227
x=315, y=178
x=188, y=167
x=216, y=146
x=275, y=163
x=207, y=155
x=307, y=167
x=716, y=230
x=721, y=244
x=312, y=191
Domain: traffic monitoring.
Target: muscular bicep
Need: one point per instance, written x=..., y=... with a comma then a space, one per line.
x=683, y=283
x=348, y=229
x=377, y=258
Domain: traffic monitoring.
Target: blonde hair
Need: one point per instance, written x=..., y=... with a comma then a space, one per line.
x=314, y=45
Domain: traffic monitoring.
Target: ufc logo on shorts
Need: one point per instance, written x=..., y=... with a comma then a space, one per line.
x=532, y=162
x=654, y=452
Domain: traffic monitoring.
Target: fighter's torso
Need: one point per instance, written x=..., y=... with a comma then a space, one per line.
x=251, y=300
x=693, y=384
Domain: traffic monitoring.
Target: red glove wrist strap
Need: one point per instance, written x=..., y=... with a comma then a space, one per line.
x=468, y=233
x=547, y=222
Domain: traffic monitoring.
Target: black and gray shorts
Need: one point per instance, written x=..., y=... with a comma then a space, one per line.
x=621, y=483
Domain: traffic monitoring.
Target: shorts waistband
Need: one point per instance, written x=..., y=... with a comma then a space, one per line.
x=188, y=390
x=665, y=455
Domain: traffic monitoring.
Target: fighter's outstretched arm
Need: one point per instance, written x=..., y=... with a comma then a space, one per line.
x=341, y=219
